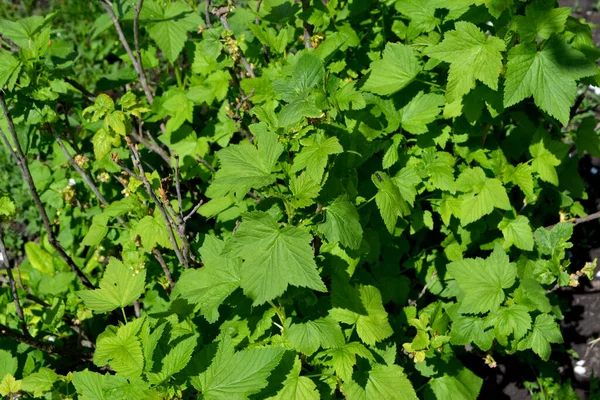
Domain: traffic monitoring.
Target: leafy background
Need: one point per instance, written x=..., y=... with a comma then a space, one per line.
x=352, y=199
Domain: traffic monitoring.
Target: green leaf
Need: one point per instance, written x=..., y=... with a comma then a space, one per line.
x=467, y=329
x=309, y=336
x=544, y=161
x=237, y=375
x=385, y=382
x=420, y=111
x=342, y=224
x=545, y=331
x=119, y=287
x=22, y=31
x=472, y=56
x=482, y=281
x=343, y=358
x=152, y=231
x=296, y=387
x=39, y=382
x=541, y=20
x=122, y=350
x=175, y=360
x=518, y=232
x=458, y=385
x=9, y=70
x=514, y=319
x=210, y=285
x=373, y=326
x=314, y=155
x=389, y=200
x=522, y=176
x=168, y=26
x=398, y=67
x=8, y=364
x=587, y=138
x=9, y=385
x=554, y=242
x=244, y=167
x=7, y=207
x=482, y=194
x=548, y=75
x=274, y=257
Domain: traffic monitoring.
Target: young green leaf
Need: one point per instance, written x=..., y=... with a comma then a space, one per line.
x=548, y=75
x=472, y=56
x=483, y=281
x=397, y=68
x=119, y=287
x=314, y=155
x=342, y=224
x=545, y=331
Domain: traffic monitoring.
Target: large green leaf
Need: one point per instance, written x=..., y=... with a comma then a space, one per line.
x=274, y=257
x=398, y=67
x=482, y=282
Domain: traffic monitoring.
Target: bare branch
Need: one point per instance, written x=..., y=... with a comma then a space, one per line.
x=193, y=211
x=164, y=267
x=308, y=29
x=156, y=201
x=207, y=6
x=21, y=161
x=134, y=60
x=178, y=189
x=151, y=146
x=577, y=221
x=424, y=290
x=13, y=286
x=222, y=14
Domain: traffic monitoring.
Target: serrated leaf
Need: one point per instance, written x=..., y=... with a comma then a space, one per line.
x=122, y=350
x=315, y=154
x=39, y=382
x=541, y=20
x=483, y=281
x=548, y=75
x=119, y=287
x=389, y=201
x=420, y=111
x=514, y=319
x=168, y=26
x=175, y=360
x=9, y=385
x=8, y=364
x=210, y=285
x=459, y=385
x=9, y=69
x=373, y=326
x=237, y=375
x=307, y=337
x=398, y=67
x=545, y=331
x=342, y=224
x=544, y=161
x=385, y=382
x=482, y=195
x=274, y=257
x=152, y=231
x=467, y=329
x=343, y=358
x=518, y=232
x=472, y=56
x=296, y=387
x=244, y=167
x=554, y=241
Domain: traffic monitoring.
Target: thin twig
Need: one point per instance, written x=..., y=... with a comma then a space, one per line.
x=207, y=13
x=21, y=161
x=193, y=211
x=178, y=188
x=156, y=201
x=51, y=349
x=221, y=13
x=307, y=27
x=577, y=221
x=91, y=96
x=78, y=169
x=151, y=146
x=424, y=290
x=137, y=66
x=13, y=286
x=164, y=267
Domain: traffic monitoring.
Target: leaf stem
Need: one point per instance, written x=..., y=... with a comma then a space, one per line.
x=366, y=202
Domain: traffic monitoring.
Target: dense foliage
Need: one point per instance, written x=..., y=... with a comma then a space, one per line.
x=286, y=199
